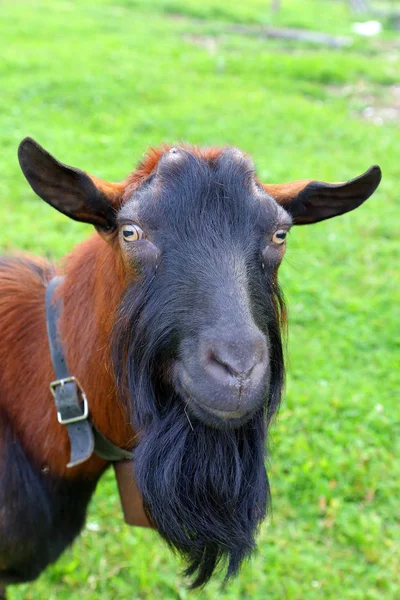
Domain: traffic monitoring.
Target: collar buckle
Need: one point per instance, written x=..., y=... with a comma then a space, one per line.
x=78, y=388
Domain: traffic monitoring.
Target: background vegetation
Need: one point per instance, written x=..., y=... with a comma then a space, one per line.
x=96, y=82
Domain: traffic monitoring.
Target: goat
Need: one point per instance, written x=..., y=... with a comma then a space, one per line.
x=171, y=321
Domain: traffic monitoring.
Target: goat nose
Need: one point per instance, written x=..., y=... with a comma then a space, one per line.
x=237, y=358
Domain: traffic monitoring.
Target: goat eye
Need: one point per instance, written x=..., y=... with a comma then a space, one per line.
x=132, y=233
x=279, y=236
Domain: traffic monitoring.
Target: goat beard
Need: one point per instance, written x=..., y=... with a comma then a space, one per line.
x=205, y=490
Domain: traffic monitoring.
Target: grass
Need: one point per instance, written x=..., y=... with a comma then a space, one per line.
x=96, y=83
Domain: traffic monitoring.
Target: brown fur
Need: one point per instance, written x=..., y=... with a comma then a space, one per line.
x=283, y=192
x=24, y=357
x=93, y=280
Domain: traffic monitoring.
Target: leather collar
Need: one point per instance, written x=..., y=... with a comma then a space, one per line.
x=71, y=403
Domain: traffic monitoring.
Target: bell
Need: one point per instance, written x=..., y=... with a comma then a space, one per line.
x=131, y=499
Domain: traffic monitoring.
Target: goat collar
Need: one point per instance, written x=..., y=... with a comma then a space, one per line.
x=70, y=399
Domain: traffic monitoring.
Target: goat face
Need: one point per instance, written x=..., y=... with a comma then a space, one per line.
x=203, y=242
x=196, y=343
x=197, y=346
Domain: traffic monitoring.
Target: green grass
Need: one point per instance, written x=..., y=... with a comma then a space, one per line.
x=96, y=83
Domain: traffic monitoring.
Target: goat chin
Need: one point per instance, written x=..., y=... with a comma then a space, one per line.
x=206, y=490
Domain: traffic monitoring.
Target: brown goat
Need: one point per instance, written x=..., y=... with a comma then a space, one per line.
x=171, y=322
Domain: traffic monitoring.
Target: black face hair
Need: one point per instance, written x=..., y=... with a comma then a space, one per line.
x=202, y=477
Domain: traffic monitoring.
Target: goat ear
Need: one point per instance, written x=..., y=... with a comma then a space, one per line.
x=311, y=201
x=69, y=190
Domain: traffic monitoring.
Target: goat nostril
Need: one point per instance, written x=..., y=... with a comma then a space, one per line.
x=224, y=365
x=220, y=365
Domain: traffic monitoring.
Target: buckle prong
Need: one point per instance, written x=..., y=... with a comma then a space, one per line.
x=61, y=382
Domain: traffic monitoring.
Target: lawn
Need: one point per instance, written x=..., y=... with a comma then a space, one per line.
x=96, y=82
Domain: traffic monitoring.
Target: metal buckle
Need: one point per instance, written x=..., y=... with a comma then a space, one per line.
x=62, y=382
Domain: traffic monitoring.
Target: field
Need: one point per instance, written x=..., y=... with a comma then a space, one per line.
x=96, y=82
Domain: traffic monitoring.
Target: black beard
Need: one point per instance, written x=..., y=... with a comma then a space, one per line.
x=206, y=490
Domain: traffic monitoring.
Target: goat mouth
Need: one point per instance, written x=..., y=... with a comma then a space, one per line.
x=222, y=414
x=207, y=414
x=214, y=417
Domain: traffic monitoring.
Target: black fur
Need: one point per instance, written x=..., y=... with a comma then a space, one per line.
x=40, y=514
x=204, y=483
